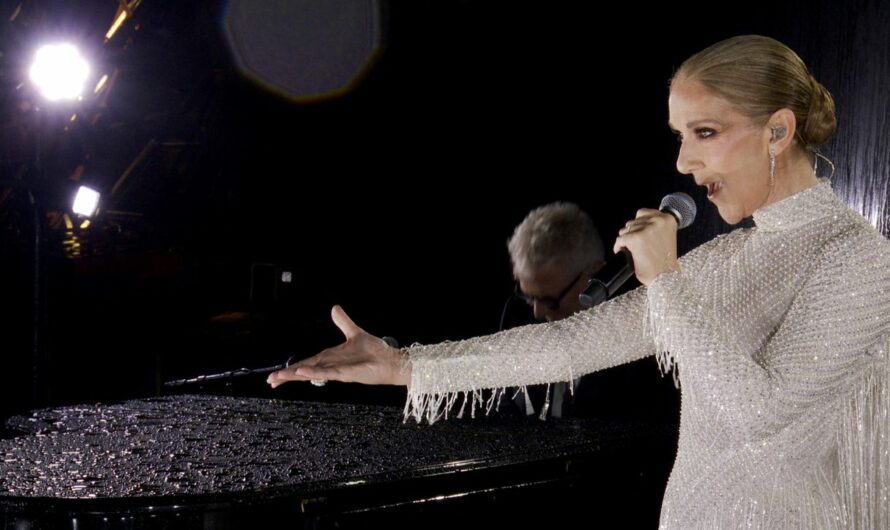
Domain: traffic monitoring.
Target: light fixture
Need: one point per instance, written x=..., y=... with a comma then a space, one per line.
x=86, y=201
x=118, y=20
x=59, y=71
x=125, y=10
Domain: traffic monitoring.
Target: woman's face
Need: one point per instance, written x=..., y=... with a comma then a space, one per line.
x=722, y=149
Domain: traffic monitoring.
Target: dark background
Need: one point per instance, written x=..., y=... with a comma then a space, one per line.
x=394, y=200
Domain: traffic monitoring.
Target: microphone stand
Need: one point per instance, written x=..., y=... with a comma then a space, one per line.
x=240, y=372
x=229, y=374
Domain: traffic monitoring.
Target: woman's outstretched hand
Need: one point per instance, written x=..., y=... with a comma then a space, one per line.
x=362, y=358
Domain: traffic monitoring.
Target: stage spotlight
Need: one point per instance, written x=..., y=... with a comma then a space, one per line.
x=86, y=201
x=59, y=71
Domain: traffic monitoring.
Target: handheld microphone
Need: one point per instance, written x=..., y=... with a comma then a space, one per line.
x=620, y=267
x=240, y=372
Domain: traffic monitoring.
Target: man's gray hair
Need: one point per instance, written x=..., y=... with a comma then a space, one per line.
x=558, y=232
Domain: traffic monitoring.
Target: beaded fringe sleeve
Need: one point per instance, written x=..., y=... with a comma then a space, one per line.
x=451, y=377
x=798, y=429
x=780, y=337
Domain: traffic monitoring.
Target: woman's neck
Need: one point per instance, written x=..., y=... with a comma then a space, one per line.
x=794, y=173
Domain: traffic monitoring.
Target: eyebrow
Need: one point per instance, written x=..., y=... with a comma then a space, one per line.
x=694, y=124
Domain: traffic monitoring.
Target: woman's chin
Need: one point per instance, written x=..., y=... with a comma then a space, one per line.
x=730, y=217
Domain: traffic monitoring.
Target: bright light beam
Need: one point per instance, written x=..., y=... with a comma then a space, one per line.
x=59, y=71
x=85, y=202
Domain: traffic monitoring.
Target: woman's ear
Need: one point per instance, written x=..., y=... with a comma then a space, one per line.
x=782, y=126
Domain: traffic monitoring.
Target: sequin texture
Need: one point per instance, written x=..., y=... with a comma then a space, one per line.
x=779, y=336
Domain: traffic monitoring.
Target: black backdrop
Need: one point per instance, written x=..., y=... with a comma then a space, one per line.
x=395, y=200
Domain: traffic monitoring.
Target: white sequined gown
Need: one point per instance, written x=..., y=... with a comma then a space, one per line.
x=780, y=337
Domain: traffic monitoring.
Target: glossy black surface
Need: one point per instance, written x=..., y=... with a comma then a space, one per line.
x=228, y=456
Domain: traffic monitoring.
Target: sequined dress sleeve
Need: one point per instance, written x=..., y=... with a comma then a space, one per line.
x=780, y=336
x=449, y=377
x=772, y=417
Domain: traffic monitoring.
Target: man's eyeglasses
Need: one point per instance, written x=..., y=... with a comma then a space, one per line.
x=550, y=302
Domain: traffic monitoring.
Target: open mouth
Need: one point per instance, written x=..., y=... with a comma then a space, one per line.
x=713, y=189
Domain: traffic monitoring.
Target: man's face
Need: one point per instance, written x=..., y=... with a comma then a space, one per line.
x=552, y=291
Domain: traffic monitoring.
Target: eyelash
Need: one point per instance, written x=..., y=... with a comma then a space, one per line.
x=703, y=133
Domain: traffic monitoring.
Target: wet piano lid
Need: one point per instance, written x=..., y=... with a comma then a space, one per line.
x=208, y=448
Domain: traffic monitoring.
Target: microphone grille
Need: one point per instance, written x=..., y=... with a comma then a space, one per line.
x=681, y=206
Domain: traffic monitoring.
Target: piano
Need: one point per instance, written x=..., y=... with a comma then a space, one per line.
x=203, y=461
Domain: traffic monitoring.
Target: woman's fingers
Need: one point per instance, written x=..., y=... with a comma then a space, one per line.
x=634, y=226
x=347, y=326
x=292, y=372
x=362, y=358
x=651, y=238
x=280, y=377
